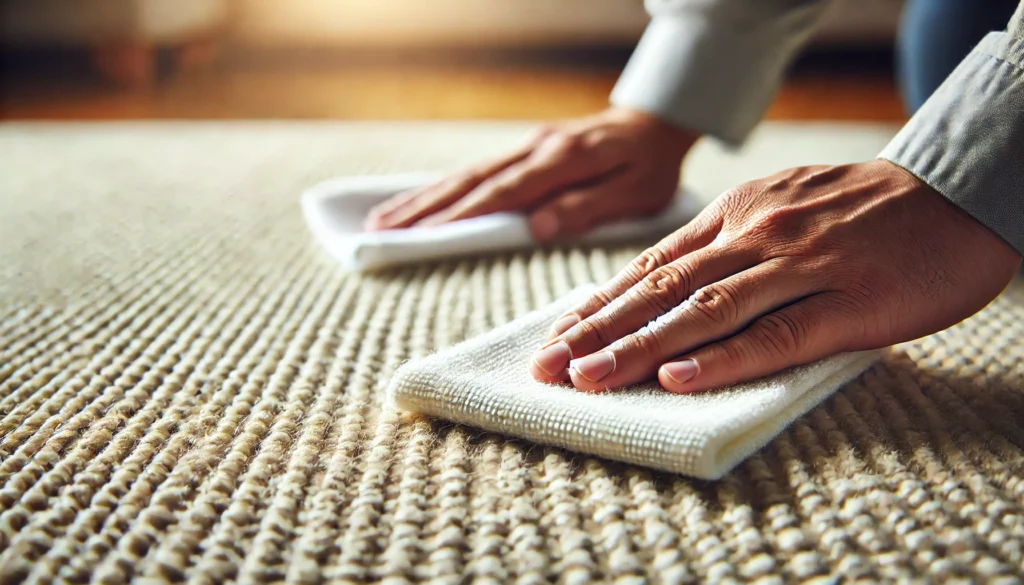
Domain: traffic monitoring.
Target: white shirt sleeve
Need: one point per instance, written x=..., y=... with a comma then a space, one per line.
x=713, y=66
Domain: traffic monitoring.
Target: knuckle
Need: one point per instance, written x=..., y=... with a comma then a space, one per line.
x=774, y=232
x=734, y=352
x=719, y=302
x=563, y=144
x=595, y=328
x=741, y=197
x=602, y=298
x=780, y=334
x=644, y=342
x=769, y=223
x=666, y=287
x=594, y=138
x=648, y=261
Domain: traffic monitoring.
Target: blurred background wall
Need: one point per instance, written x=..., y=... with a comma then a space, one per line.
x=499, y=22
x=379, y=23
x=310, y=58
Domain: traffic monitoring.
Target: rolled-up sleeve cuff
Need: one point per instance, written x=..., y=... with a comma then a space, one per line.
x=967, y=140
x=712, y=75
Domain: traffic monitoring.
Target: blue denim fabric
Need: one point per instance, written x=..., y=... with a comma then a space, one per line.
x=936, y=35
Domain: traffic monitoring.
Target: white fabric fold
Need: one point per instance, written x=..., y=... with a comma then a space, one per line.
x=484, y=382
x=335, y=210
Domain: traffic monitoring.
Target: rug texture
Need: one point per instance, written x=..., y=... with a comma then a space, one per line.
x=191, y=390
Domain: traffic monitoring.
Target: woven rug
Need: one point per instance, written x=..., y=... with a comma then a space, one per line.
x=191, y=391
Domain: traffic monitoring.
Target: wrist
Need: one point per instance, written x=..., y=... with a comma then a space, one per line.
x=969, y=223
x=675, y=138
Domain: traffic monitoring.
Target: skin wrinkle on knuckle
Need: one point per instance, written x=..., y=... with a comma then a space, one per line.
x=665, y=288
x=650, y=260
x=857, y=296
x=775, y=234
x=718, y=302
x=732, y=352
x=609, y=314
x=770, y=223
x=601, y=298
x=854, y=317
x=657, y=328
x=780, y=334
x=645, y=341
x=595, y=328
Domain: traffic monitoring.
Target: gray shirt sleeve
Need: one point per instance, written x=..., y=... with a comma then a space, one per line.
x=967, y=140
x=713, y=66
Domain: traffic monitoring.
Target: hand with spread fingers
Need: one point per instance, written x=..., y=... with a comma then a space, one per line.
x=569, y=178
x=778, y=272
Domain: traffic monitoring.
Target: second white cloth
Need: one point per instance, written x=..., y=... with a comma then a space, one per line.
x=335, y=211
x=484, y=382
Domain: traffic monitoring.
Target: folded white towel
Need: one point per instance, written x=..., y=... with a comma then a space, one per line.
x=484, y=382
x=335, y=211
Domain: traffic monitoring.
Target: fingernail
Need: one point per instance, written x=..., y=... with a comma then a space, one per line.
x=544, y=225
x=680, y=372
x=553, y=359
x=594, y=366
x=564, y=324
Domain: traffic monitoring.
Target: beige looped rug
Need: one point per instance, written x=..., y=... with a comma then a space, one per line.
x=191, y=391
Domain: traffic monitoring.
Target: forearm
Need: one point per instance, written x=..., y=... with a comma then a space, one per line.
x=713, y=66
x=967, y=140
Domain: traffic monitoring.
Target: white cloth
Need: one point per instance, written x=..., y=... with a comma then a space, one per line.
x=335, y=211
x=484, y=382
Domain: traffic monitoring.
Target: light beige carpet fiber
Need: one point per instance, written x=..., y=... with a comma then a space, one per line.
x=190, y=390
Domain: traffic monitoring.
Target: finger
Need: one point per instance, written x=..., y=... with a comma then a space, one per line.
x=375, y=217
x=695, y=235
x=657, y=294
x=812, y=329
x=559, y=162
x=580, y=209
x=405, y=209
x=713, y=312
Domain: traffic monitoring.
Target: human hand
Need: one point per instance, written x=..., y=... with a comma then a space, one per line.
x=570, y=177
x=778, y=272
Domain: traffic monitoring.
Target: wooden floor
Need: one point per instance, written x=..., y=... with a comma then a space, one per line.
x=393, y=89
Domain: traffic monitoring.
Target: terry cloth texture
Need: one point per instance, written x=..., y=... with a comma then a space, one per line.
x=484, y=382
x=192, y=390
x=335, y=211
